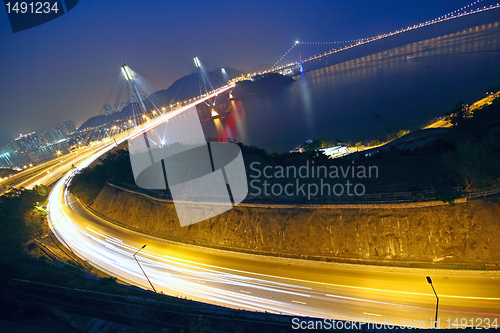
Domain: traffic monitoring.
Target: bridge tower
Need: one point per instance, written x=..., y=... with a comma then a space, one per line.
x=205, y=84
x=300, y=58
x=130, y=79
x=224, y=75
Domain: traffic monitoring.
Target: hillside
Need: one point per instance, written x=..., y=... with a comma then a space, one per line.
x=260, y=84
x=423, y=232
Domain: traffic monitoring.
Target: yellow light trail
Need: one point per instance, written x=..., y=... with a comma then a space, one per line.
x=261, y=283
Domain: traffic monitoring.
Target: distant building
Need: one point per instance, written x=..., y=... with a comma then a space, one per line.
x=15, y=145
x=54, y=135
x=8, y=148
x=119, y=108
x=108, y=110
x=69, y=127
x=61, y=131
x=49, y=136
x=31, y=141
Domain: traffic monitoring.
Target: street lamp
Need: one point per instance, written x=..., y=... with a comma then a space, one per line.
x=141, y=267
x=437, y=300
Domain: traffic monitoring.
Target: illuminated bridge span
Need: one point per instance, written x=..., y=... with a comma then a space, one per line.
x=138, y=98
x=135, y=102
x=472, y=8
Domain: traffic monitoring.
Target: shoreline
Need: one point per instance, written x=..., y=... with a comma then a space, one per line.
x=440, y=122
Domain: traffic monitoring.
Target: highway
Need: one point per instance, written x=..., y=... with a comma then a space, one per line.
x=278, y=285
x=45, y=173
x=261, y=283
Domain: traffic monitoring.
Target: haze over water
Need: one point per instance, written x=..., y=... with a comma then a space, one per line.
x=340, y=101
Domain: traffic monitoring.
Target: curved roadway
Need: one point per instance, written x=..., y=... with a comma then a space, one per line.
x=288, y=286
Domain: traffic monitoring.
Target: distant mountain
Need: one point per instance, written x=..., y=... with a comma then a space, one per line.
x=189, y=86
x=102, y=119
x=183, y=89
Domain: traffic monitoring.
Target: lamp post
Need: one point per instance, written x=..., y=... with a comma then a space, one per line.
x=141, y=267
x=437, y=300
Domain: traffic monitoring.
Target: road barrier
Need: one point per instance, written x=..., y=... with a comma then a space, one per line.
x=373, y=198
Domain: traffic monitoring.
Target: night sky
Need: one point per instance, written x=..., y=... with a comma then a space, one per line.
x=65, y=69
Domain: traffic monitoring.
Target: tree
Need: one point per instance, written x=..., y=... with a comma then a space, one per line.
x=459, y=114
x=402, y=132
x=22, y=217
x=200, y=326
x=318, y=143
x=469, y=159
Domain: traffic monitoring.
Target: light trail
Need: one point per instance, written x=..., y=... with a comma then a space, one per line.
x=261, y=283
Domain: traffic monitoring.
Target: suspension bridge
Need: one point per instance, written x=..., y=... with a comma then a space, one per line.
x=295, y=66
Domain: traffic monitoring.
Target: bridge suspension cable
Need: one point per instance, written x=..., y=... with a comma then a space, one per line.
x=340, y=42
x=284, y=55
x=316, y=43
x=463, y=11
x=134, y=97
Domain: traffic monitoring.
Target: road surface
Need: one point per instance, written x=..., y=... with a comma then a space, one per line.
x=260, y=283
